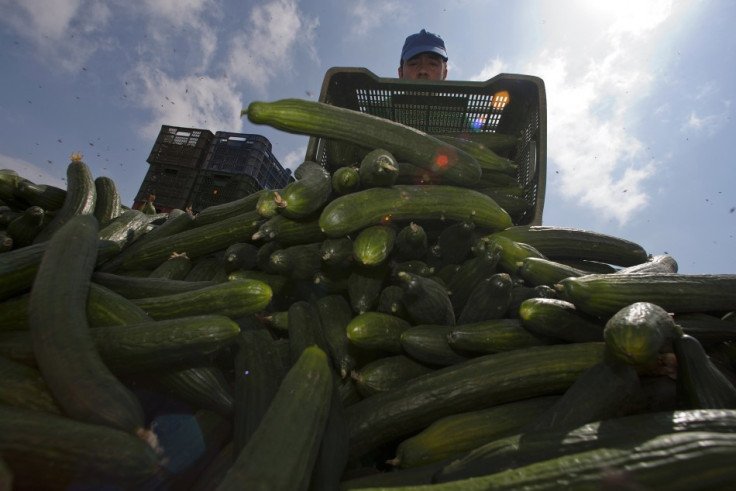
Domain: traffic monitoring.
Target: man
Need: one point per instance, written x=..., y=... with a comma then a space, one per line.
x=423, y=57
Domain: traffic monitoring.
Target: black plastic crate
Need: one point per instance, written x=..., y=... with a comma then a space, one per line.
x=507, y=104
x=240, y=153
x=214, y=188
x=170, y=184
x=186, y=147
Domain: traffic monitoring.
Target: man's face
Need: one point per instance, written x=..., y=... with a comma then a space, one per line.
x=424, y=66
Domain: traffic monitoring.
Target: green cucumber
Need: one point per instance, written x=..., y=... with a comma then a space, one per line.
x=637, y=333
x=26, y=227
x=377, y=331
x=700, y=384
x=299, y=261
x=559, y=319
x=47, y=451
x=108, y=205
x=455, y=242
x=561, y=242
x=232, y=298
x=64, y=349
x=307, y=194
x=494, y=336
x=540, y=271
x=428, y=344
x=387, y=373
x=126, y=227
x=374, y=206
x=411, y=242
x=365, y=285
x=133, y=287
x=46, y=196
x=405, y=143
x=80, y=199
x=23, y=387
x=290, y=231
x=374, y=244
x=489, y=299
x=481, y=382
x=282, y=451
x=335, y=314
x=175, y=267
x=345, y=180
x=605, y=294
x=203, y=386
x=426, y=300
x=378, y=168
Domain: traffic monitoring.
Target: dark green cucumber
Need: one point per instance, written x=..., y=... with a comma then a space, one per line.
x=708, y=329
x=428, y=344
x=46, y=196
x=405, y=143
x=511, y=252
x=282, y=451
x=47, y=451
x=387, y=372
x=240, y=255
x=474, y=384
x=498, y=142
x=365, y=285
x=622, y=432
x=335, y=314
x=662, y=263
x=277, y=282
x=637, y=333
x=196, y=242
x=471, y=272
x=337, y=252
x=489, y=299
x=540, y=271
x=266, y=206
x=345, y=180
x=374, y=244
x=305, y=330
x=559, y=319
x=258, y=375
x=108, y=205
x=562, y=242
x=426, y=300
x=203, y=386
x=459, y=433
x=64, y=349
x=177, y=221
x=108, y=308
x=374, y=206
x=26, y=227
x=701, y=460
x=601, y=392
x=605, y=294
x=700, y=384
x=390, y=301
x=377, y=331
x=223, y=211
x=127, y=227
x=207, y=268
x=23, y=387
x=290, y=231
x=133, y=287
x=488, y=159
x=80, y=199
x=233, y=298
x=307, y=194
x=175, y=267
x=455, y=242
x=378, y=168
x=299, y=261
x=411, y=242
x=494, y=336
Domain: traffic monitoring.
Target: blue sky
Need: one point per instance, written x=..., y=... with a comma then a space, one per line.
x=639, y=93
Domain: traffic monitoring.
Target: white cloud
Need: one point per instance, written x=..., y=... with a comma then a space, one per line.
x=709, y=124
x=490, y=70
x=190, y=101
x=596, y=83
x=366, y=15
x=293, y=159
x=31, y=171
x=276, y=32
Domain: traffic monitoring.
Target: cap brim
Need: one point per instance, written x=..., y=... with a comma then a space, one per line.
x=424, y=49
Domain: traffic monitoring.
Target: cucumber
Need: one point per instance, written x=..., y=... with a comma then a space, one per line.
x=267, y=205
x=23, y=387
x=223, y=211
x=378, y=168
x=386, y=373
x=455, y=242
x=471, y=272
x=562, y=242
x=46, y=196
x=134, y=287
x=374, y=206
x=365, y=285
x=335, y=314
x=700, y=384
x=337, y=252
x=428, y=344
x=426, y=301
x=373, y=245
x=405, y=143
x=108, y=205
x=64, y=349
x=377, y=331
x=27, y=226
x=282, y=451
x=488, y=159
x=240, y=255
x=127, y=227
x=234, y=299
x=79, y=200
x=481, y=382
x=345, y=180
x=299, y=262
x=489, y=299
x=540, y=271
x=605, y=294
x=174, y=268
x=411, y=242
x=559, y=319
x=637, y=333
x=47, y=451
x=494, y=336
x=459, y=433
x=289, y=231
x=307, y=194
x=202, y=386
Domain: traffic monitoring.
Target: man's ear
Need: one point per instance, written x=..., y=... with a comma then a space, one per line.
x=444, y=73
x=401, y=72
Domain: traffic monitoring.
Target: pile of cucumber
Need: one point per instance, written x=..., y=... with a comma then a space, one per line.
x=361, y=328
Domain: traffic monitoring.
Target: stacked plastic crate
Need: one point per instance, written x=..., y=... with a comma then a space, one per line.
x=237, y=165
x=176, y=157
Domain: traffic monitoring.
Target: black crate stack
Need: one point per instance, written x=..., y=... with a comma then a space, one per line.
x=195, y=168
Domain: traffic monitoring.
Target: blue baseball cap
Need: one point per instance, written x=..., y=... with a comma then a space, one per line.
x=423, y=42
